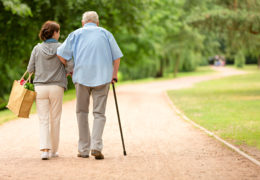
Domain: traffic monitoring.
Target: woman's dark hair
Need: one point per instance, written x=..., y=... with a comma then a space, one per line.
x=48, y=29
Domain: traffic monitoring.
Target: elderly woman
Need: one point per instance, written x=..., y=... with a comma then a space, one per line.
x=50, y=82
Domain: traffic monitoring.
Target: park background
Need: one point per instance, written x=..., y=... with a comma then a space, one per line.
x=159, y=39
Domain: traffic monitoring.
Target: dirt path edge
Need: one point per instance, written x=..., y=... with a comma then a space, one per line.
x=234, y=148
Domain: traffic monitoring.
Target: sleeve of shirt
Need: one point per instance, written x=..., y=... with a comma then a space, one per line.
x=66, y=49
x=31, y=65
x=115, y=50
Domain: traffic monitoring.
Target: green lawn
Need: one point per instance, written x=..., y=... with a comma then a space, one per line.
x=202, y=70
x=69, y=95
x=230, y=107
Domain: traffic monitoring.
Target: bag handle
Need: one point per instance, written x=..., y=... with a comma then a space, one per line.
x=29, y=78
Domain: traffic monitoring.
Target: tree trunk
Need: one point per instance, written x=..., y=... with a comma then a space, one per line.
x=160, y=72
x=258, y=62
x=235, y=4
x=167, y=62
x=176, y=67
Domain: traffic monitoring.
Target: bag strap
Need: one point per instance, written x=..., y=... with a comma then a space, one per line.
x=24, y=75
x=29, y=77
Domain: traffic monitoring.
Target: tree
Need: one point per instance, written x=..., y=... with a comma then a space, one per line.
x=11, y=11
x=23, y=20
x=237, y=22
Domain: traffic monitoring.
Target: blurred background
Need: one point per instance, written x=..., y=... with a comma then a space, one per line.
x=158, y=37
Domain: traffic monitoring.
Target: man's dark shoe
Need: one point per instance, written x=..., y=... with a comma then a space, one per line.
x=83, y=156
x=97, y=154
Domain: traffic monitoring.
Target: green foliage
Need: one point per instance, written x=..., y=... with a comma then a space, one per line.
x=189, y=61
x=235, y=22
x=157, y=37
x=16, y=7
x=23, y=20
x=2, y=104
x=240, y=59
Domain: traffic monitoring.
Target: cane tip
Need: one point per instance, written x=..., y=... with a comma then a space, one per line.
x=124, y=153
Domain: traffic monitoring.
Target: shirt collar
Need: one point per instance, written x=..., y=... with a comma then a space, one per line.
x=51, y=40
x=89, y=24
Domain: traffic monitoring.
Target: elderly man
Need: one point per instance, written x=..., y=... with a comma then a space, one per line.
x=96, y=61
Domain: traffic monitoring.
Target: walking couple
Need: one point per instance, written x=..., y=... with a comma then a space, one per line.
x=96, y=58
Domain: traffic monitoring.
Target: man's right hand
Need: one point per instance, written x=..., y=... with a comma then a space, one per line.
x=114, y=80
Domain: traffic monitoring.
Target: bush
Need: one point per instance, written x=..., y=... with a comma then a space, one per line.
x=3, y=103
x=240, y=59
x=189, y=61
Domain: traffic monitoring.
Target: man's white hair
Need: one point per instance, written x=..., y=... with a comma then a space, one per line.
x=90, y=16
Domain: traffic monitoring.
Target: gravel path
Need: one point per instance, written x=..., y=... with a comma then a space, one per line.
x=159, y=144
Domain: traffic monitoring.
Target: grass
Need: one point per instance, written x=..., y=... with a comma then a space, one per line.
x=229, y=106
x=7, y=115
x=202, y=70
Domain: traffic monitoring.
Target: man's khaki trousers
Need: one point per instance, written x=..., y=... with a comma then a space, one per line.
x=99, y=95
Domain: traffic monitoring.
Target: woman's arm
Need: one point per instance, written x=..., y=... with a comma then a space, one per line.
x=62, y=60
x=31, y=65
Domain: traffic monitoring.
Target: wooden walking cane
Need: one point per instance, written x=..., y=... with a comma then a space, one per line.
x=119, y=122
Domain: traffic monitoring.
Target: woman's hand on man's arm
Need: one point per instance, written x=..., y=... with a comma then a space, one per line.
x=62, y=60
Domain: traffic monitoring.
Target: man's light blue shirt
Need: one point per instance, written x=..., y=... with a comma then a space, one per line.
x=93, y=49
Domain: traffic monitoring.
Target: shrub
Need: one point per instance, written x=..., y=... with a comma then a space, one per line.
x=240, y=59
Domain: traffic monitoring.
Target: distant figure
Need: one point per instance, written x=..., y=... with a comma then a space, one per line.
x=96, y=57
x=219, y=60
x=222, y=60
x=50, y=81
